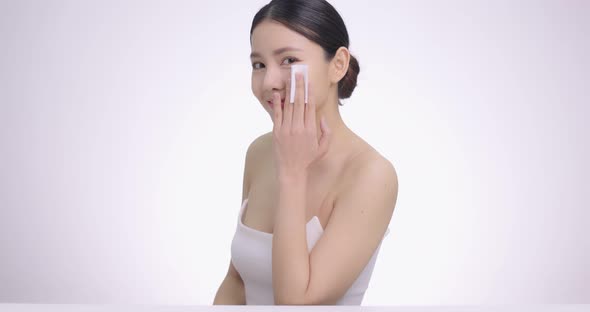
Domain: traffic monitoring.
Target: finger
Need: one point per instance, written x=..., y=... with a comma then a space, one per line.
x=288, y=111
x=310, y=107
x=299, y=108
x=277, y=110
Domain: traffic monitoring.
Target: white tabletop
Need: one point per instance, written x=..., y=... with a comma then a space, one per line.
x=22, y=307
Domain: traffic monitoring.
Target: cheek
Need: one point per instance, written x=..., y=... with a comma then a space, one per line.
x=255, y=86
x=320, y=85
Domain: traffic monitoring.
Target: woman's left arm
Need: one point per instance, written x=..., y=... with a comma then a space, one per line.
x=290, y=256
x=357, y=224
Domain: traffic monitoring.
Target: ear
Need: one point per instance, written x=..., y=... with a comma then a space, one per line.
x=339, y=65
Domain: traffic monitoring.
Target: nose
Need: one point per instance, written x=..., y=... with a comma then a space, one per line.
x=275, y=79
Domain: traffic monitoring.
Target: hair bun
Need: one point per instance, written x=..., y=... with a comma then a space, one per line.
x=347, y=84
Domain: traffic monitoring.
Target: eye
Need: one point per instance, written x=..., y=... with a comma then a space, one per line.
x=254, y=65
x=291, y=58
x=258, y=65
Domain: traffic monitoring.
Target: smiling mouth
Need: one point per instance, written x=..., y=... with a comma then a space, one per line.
x=271, y=104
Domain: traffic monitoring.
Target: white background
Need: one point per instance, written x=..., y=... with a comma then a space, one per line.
x=124, y=126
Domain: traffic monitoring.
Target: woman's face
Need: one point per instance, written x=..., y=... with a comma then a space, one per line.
x=274, y=48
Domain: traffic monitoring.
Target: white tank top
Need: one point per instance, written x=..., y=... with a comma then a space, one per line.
x=251, y=255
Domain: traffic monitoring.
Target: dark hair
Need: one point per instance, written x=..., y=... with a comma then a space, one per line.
x=318, y=21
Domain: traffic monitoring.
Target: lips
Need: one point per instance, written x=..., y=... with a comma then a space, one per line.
x=271, y=104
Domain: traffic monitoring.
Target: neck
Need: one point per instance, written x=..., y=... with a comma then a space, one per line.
x=342, y=137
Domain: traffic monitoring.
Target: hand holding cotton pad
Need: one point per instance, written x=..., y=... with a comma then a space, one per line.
x=298, y=68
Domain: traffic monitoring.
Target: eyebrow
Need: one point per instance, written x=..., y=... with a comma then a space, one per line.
x=276, y=52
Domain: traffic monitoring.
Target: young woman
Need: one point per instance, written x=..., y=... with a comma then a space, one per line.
x=317, y=199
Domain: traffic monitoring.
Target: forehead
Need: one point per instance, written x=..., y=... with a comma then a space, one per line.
x=269, y=35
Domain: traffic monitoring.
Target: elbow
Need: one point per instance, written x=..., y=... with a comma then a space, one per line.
x=289, y=299
x=302, y=300
x=319, y=298
x=289, y=302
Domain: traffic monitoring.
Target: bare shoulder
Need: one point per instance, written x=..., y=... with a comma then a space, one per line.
x=381, y=171
x=255, y=156
x=370, y=172
x=374, y=163
x=370, y=164
x=260, y=144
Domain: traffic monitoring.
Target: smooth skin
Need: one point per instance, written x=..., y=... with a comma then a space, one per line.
x=310, y=164
x=295, y=141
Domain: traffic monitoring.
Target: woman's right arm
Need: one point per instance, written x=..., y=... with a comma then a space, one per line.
x=231, y=291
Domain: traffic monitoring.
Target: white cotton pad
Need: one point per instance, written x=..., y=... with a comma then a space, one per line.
x=298, y=68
